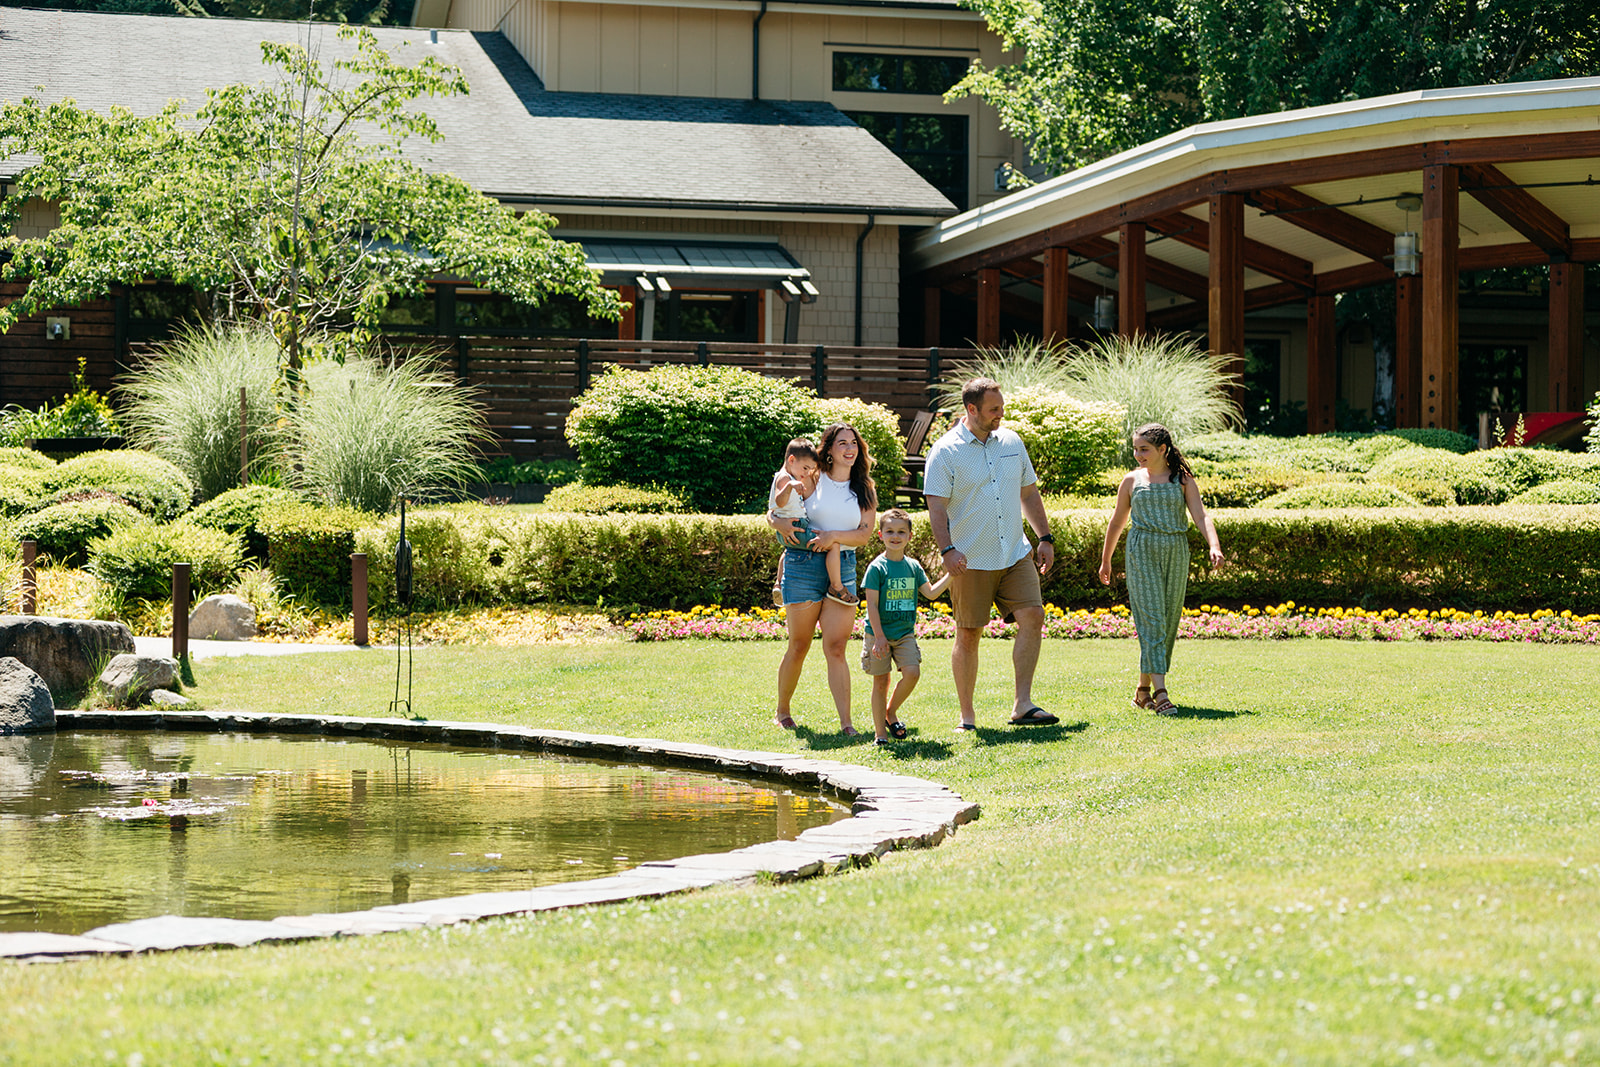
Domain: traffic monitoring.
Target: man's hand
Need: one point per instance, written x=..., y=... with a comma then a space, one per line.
x=1045, y=556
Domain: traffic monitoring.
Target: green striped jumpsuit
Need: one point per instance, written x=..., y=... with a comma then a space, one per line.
x=1158, y=570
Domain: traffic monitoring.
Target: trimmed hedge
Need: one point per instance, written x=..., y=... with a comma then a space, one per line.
x=1435, y=438
x=63, y=531
x=135, y=561
x=25, y=458
x=584, y=499
x=1069, y=441
x=1341, y=495
x=1473, y=557
x=146, y=481
x=879, y=428
x=309, y=548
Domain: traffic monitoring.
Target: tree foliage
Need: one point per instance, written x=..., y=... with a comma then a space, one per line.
x=287, y=200
x=1101, y=76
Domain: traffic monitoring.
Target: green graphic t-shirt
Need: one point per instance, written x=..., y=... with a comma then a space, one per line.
x=897, y=584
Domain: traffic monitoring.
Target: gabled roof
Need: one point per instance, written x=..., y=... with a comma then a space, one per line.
x=509, y=137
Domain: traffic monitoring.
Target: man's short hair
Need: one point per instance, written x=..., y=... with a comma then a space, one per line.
x=802, y=449
x=897, y=515
x=973, y=392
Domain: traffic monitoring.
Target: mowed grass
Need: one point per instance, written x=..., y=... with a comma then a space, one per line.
x=1346, y=853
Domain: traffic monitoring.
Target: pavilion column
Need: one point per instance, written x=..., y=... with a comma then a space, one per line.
x=1322, y=382
x=931, y=297
x=628, y=324
x=1408, y=351
x=1131, y=279
x=989, y=307
x=1225, y=334
x=1057, y=288
x=1441, y=327
x=1566, y=337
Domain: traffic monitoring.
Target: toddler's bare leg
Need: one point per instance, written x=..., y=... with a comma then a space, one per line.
x=835, y=580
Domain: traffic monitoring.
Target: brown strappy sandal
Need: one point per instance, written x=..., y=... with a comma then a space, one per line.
x=1162, y=704
x=1143, y=703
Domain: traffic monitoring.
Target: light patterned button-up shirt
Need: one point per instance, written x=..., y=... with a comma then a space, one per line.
x=983, y=480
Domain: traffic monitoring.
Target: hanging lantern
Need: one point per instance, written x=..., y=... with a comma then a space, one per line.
x=1105, y=312
x=1407, y=259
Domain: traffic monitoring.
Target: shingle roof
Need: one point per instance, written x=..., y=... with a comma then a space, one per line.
x=509, y=137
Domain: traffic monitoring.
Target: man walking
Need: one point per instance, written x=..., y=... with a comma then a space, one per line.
x=979, y=485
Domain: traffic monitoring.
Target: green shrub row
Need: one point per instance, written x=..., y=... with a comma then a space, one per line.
x=135, y=560
x=31, y=482
x=1474, y=557
x=310, y=546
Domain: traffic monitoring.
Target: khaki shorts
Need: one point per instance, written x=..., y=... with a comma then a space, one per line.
x=903, y=653
x=972, y=592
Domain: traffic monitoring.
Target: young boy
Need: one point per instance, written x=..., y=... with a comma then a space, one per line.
x=791, y=484
x=890, y=586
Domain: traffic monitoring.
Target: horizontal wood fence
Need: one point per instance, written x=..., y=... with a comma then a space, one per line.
x=528, y=384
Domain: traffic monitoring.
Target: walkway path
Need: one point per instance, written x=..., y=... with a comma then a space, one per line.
x=162, y=646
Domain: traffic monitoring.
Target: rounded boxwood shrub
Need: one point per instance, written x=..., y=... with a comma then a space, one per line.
x=309, y=548
x=1560, y=491
x=135, y=561
x=146, y=481
x=715, y=434
x=584, y=499
x=26, y=458
x=63, y=531
x=1429, y=494
x=1341, y=495
x=1448, y=440
x=1518, y=469
x=239, y=511
x=1248, y=488
x=22, y=490
x=1441, y=465
x=1070, y=441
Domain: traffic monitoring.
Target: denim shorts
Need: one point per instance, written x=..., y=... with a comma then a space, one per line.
x=805, y=574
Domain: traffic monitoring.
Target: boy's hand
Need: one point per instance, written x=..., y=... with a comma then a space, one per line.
x=880, y=646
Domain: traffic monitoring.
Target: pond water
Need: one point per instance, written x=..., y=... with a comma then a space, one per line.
x=99, y=827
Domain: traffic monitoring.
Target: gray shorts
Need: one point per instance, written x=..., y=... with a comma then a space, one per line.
x=903, y=653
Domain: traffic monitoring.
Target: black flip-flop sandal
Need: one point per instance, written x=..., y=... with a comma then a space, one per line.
x=1035, y=717
x=897, y=730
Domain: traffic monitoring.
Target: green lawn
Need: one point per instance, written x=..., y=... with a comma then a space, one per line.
x=1347, y=853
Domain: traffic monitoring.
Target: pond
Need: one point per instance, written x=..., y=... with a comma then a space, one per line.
x=100, y=827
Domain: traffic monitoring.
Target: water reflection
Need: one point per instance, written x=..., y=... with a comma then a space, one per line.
x=101, y=827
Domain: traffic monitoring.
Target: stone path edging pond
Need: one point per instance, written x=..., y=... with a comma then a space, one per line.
x=888, y=811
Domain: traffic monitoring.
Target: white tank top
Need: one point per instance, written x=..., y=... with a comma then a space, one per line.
x=833, y=506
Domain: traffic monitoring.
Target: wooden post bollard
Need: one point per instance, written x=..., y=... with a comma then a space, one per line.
x=30, y=577
x=180, y=611
x=358, y=597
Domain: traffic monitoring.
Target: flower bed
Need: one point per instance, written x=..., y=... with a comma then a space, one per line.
x=1277, y=622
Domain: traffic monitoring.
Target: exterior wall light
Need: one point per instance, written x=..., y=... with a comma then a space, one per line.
x=1105, y=312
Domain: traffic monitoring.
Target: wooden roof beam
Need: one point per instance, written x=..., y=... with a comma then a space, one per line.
x=1258, y=255
x=1517, y=208
x=1157, y=271
x=1329, y=223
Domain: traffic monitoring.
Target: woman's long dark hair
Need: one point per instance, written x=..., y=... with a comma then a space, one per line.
x=1159, y=435
x=861, y=483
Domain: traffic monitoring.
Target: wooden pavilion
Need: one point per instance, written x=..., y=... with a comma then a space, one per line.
x=1226, y=220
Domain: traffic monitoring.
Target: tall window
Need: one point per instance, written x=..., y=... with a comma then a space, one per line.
x=935, y=146
x=867, y=72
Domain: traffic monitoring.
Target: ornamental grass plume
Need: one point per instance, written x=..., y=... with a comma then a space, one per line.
x=367, y=433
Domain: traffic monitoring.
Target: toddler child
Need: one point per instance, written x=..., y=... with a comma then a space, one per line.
x=791, y=484
x=890, y=586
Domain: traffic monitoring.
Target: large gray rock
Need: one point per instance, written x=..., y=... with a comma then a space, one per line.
x=25, y=704
x=223, y=617
x=129, y=678
x=66, y=653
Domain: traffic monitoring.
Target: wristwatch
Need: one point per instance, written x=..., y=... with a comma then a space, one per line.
x=1047, y=538
x=946, y=550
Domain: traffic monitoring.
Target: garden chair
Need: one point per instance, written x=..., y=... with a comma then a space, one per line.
x=912, y=466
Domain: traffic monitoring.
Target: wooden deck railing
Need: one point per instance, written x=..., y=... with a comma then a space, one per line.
x=528, y=384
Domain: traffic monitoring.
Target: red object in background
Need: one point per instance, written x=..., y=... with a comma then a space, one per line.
x=1538, y=427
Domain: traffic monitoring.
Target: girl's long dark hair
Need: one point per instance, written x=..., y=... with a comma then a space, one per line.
x=1159, y=435
x=861, y=483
